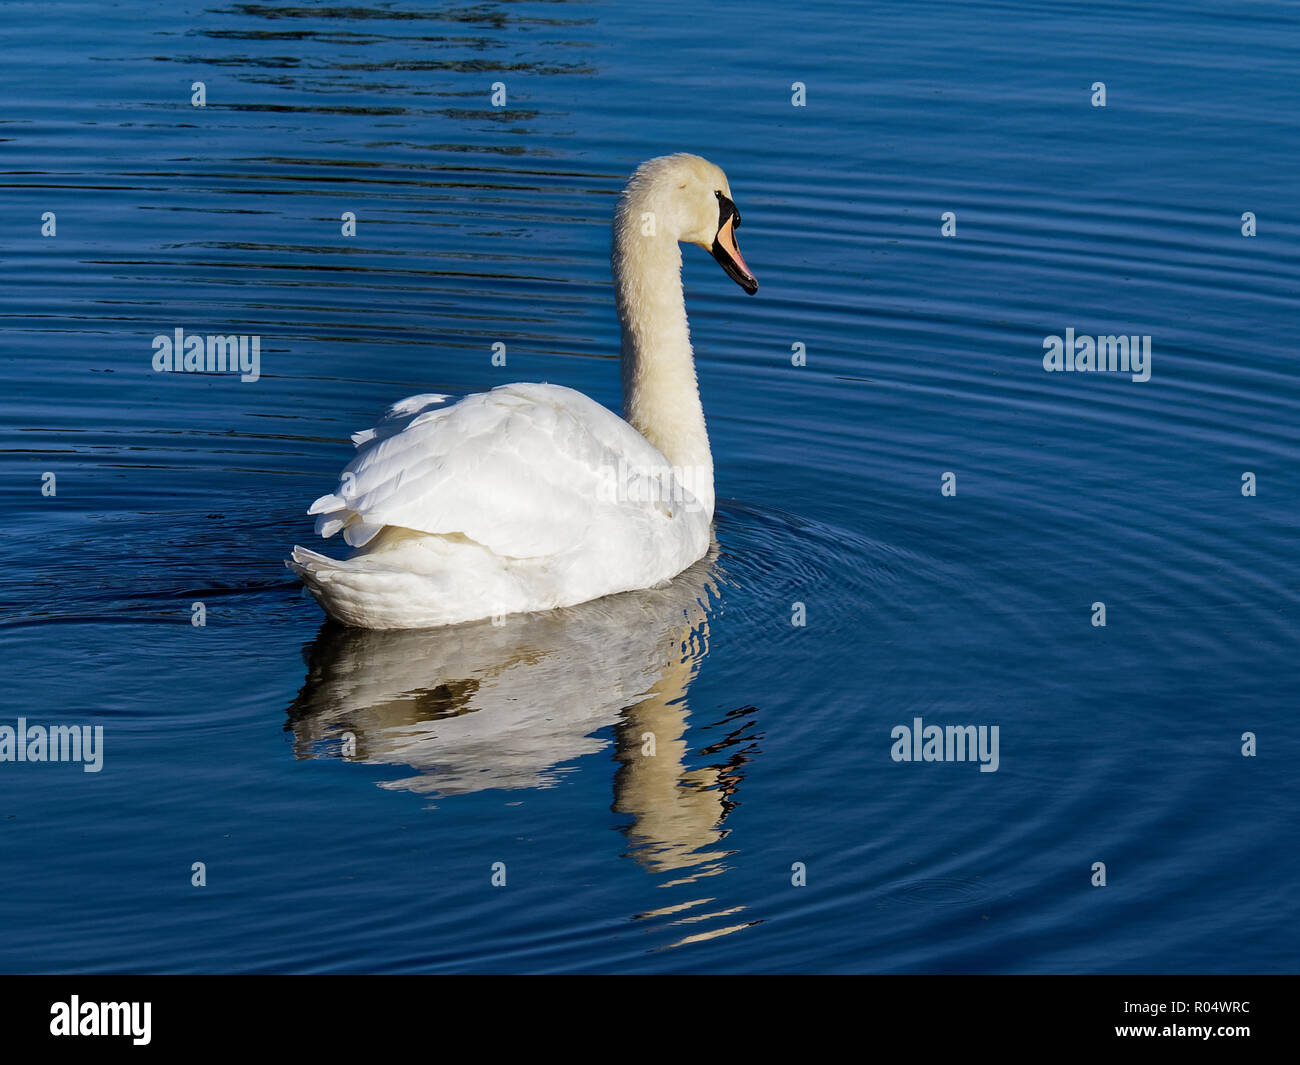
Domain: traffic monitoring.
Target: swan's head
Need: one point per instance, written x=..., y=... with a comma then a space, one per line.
x=688, y=199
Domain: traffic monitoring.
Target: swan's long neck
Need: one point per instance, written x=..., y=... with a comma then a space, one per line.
x=661, y=398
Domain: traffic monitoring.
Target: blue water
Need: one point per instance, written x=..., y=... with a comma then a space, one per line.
x=225, y=744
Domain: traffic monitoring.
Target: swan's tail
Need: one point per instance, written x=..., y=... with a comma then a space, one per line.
x=361, y=591
x=407, y=580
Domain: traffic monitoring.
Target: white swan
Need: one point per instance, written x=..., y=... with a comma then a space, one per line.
x=533, y=496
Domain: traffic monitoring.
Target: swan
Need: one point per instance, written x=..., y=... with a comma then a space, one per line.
x=533, y=496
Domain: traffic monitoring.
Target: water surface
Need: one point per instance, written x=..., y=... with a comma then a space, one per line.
x=228, y=744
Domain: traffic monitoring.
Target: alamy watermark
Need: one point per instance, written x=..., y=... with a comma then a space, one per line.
x=1108, y=354
x=946, y=743
x=654, y=484
x=58, y=743
x=79, y=1018
x=219, y=353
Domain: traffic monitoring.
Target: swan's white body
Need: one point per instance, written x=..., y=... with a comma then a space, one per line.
x=533, y=496
x=508, y=501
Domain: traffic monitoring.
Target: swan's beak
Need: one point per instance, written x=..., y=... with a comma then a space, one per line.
x=727, y=251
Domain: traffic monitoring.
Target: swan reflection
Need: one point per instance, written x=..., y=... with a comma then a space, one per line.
x=479, y=706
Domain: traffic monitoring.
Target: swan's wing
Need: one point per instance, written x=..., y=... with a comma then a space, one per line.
x=526, y=470
x=398, y=417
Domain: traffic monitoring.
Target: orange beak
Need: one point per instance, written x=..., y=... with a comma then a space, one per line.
x=726, y=249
